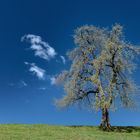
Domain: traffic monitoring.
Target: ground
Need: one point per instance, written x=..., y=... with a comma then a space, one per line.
x=50, y=132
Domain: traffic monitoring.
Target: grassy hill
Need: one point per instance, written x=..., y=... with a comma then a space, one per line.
x=48, y=132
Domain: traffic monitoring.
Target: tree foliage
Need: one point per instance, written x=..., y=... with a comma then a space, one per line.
x=101, y=69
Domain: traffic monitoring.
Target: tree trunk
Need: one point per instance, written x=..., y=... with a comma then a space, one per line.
x=105, y=123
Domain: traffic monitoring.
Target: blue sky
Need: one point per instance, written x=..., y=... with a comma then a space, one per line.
x=28, y=96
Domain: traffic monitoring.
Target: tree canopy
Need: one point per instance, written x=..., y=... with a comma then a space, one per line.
x=101, y=69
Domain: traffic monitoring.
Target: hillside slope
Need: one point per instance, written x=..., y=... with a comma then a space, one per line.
x=49, y=132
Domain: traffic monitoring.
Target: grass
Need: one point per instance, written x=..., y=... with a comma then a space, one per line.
x=49, y=132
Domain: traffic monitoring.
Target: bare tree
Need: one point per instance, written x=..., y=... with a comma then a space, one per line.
x=100, y=74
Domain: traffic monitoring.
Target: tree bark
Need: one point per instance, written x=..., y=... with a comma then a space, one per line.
x=105, y=123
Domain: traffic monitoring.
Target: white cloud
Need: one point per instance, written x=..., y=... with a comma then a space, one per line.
x=51, y=52
x=63, y=59
x=41, y=49
x=39, y=72
x=26, y=63
x=53, y=80
x=24, y=84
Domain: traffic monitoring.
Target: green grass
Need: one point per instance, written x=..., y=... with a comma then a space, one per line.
x=49, y=132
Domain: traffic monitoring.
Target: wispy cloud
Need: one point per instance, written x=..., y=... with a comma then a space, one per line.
x=39, y=72
x=41, y=48
x=23, y=83
x=53, y=80
x=42, y=88
x=19, y=84
x=26, y=63
x=63, y=59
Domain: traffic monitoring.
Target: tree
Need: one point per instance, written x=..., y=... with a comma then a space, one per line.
x=101, y=69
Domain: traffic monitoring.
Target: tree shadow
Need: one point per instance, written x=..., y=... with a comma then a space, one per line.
x=78, y=126
x=121, y=129
x=125, y=129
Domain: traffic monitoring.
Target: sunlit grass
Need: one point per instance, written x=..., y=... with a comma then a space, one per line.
x=48, y=132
